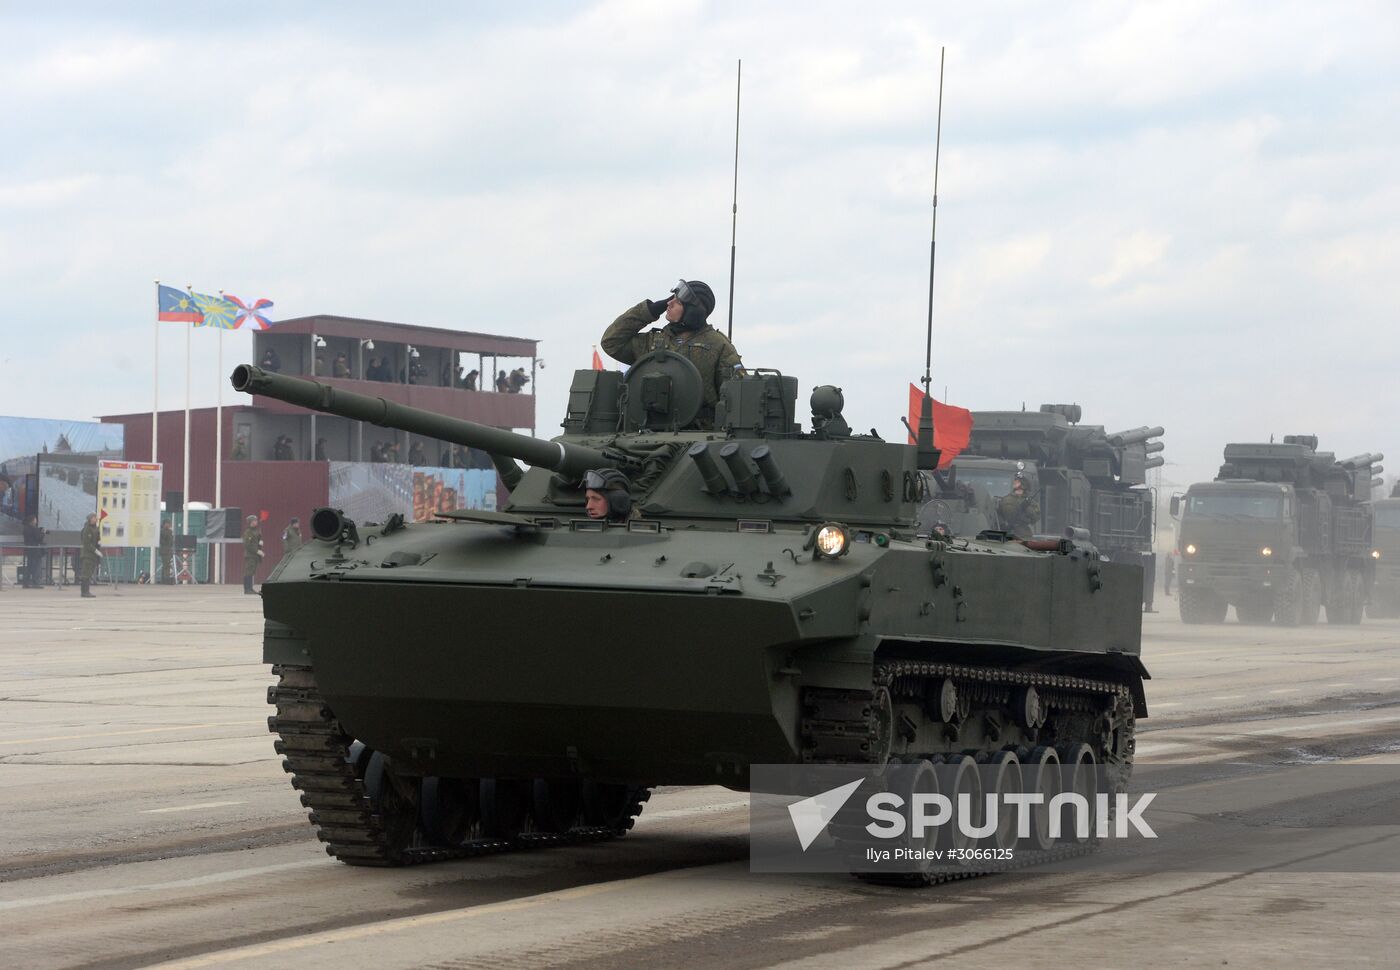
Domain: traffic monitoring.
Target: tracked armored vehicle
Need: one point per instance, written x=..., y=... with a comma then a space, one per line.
x=493, y=680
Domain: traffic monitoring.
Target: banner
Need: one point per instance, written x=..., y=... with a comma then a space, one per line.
x=437, y=490
x=129, y=492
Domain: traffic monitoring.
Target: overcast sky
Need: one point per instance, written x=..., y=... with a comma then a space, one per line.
x=1184, y=213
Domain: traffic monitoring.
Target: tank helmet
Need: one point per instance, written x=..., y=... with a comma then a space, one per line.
x=698, y=300
x=612, y=485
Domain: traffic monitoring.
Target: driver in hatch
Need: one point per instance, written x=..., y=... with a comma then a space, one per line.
x=606, y=495
x=686, y=333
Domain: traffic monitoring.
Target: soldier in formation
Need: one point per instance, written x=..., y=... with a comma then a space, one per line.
x=686, y=332
x=167, y=553
x=252, y=552
x=91, y=541
x=1019, y=510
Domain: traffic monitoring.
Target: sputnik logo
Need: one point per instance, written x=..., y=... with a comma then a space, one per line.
x=811, y=815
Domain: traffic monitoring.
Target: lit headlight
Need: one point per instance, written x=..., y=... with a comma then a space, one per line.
x=1266, y=551
x=1375, y=553
x=1190, y=549
x=832, y=541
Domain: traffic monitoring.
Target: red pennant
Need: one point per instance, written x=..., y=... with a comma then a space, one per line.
x=952, y=426
x=597, y=361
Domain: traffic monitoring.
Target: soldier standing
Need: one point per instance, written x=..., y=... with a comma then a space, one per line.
x=167, y=553
x=33, y=552
x=252, y=552
x=291, y=536
x=91, y=541
x=1019, y=511
x=686, y=333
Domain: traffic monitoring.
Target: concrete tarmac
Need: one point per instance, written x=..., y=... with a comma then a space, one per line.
x=148, y=822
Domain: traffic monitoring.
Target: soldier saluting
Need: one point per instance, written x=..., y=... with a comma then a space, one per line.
x=252, y=552
x=686, y=332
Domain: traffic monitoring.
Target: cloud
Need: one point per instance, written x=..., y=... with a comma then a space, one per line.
x=1172, y=213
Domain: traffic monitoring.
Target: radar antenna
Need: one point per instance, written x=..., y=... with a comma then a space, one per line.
x=927, y=455
x=734, y=205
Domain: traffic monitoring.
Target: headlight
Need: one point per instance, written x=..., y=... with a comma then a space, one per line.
x=1266, y=551
x=832, y=541
x=1375, y=553
x=1190, y=549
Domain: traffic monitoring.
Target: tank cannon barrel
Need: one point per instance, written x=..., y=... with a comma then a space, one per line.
x=315, y=396
x=1135, y=436
x=1361, y=461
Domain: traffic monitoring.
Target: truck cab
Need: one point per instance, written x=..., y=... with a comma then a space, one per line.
x=1385, y=554
x=1236, y=545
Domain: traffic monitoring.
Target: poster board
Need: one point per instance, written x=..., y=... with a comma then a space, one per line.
x=128, y=503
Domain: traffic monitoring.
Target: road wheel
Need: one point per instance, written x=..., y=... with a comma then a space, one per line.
x=1288, y=600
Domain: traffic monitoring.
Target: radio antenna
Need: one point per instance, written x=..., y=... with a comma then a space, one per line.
x=927, y=456
x=734, y=205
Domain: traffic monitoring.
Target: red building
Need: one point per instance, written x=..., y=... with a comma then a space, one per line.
x=423, y=367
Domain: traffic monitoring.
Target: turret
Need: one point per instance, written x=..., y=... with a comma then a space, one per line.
x=570, y=459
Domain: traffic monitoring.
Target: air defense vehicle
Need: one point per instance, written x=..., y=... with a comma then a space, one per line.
x=1384, y=602
x=1283, y=531
x=1084, y=477
x=491, y=680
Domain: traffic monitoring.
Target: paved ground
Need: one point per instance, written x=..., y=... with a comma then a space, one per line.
x=148, y=820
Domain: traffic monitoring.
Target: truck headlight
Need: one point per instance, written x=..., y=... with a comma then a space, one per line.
x=1375, y=553
x=1190, y=549
x=1266, y=551
x=832, y=541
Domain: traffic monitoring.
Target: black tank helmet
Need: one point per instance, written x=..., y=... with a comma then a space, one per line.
x=612, y=484
x=698, y=300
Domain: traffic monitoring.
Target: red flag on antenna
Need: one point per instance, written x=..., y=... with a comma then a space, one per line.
x=597, y=361
x=952, y=425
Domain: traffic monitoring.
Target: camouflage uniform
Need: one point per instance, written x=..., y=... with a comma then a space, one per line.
x=708, y=349
x=252, y=555
x=1020, y=514
x=167, y=554
x=91, y=540
x=291, y=539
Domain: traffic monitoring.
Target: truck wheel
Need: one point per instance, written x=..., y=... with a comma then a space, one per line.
x=1288, y=601
x=1255, y=609
x=1201, y=606
x=1356, y=601
x=1334, y=602
x=1312, y=596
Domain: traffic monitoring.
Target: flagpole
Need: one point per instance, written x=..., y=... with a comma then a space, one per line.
x=219, y=440
x=185, y=503
x=155, y=420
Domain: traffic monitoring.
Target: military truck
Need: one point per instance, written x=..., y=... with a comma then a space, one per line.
x=1282, y=532
x=1384, y=602
x=1084, y=477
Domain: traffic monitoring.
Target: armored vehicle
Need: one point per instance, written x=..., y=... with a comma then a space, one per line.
x=1384, y=601
x=523, y=677
x=1084, y=477
x=1283, y=531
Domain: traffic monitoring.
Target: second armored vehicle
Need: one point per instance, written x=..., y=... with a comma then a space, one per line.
x=1283, y=531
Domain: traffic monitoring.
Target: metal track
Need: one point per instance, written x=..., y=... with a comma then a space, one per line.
x=317, y=754
x=845, y=727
